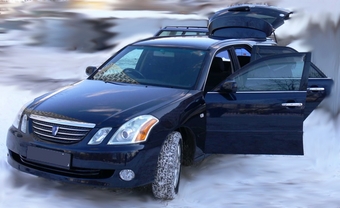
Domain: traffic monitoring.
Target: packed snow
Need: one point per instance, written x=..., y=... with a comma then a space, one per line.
x=313, y=180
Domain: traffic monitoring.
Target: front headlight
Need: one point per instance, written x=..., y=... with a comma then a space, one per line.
x=134, y=131
x=19, y=115
x=23, y=126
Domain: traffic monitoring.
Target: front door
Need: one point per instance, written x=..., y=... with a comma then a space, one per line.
x=319, y=85
x=265, y=115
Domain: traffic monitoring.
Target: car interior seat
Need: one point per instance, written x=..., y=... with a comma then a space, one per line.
x=243, y=60
x=216, y=74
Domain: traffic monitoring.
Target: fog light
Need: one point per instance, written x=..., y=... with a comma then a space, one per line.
x=127, y=175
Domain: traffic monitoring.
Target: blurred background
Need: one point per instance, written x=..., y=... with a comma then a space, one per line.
x=39, y=37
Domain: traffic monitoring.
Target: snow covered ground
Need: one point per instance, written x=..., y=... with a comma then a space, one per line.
x=312, y=180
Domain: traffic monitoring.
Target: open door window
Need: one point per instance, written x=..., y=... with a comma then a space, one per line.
x=259, y=51
x=252, y=21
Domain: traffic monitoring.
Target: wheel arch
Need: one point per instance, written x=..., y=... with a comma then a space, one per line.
x=189, y=145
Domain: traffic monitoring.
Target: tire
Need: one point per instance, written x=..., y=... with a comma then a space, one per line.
x=166, y=183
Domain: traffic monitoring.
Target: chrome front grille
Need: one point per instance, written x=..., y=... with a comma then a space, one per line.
x=58, y=130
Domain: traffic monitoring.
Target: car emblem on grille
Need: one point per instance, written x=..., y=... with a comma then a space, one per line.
x=55, y=130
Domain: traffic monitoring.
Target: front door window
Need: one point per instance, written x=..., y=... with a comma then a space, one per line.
x=277, y=74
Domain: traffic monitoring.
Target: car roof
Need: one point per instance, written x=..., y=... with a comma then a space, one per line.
x=197, y=42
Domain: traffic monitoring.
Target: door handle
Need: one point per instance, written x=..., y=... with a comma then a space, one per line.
x=292, y=104
x=316, y=89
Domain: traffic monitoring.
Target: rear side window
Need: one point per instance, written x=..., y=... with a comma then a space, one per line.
x=315, y=72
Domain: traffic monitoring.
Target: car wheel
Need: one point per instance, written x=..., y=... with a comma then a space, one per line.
x=166, y=183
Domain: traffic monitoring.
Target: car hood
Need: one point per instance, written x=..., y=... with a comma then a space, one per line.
x=98, y=102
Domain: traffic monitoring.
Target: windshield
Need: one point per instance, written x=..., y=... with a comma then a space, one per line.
x=160, y=66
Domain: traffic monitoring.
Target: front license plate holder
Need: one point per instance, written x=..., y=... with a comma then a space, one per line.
x=49, y=157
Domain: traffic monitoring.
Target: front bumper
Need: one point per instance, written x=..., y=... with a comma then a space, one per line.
x=98, y=166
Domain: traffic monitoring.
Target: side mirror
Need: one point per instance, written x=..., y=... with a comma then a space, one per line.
x=229, y=86
x=90, y=69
